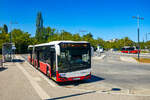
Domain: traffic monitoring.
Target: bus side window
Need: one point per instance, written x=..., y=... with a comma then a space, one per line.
x=123, y=49
x=47, y=55
x=41, y=51
x=36, y=55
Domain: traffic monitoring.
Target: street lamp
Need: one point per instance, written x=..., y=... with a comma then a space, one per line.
x=11, y=36
x=138, y=30
x=11, y=30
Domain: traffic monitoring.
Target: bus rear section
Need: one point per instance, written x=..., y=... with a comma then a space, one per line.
x=30, y=56
x=62, y=60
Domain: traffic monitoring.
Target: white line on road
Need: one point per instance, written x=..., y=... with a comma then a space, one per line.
x=35, y=85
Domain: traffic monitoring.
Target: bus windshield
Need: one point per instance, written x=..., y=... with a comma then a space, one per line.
x=74, y=56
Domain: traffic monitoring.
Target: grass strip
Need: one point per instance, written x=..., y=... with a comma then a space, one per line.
x=143, y=60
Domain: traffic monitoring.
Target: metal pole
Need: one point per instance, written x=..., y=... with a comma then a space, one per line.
x=10, y=33
x=138, y=30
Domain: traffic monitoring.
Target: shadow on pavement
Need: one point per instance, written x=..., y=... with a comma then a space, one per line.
x=3, y=68
x=94, y=79
x=76, y=83
x=17, y=60
x=68, y=96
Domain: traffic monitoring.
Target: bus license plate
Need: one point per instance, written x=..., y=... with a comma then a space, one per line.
x=76, y=78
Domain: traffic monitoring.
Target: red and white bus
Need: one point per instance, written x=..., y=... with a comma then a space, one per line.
x=62, y=60
x=128, y=49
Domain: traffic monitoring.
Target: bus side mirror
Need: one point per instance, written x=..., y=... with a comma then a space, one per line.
x=92, y=51
x=57, y=49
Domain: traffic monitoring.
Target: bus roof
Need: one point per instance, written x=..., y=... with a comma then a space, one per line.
x=30, y=46
x=129, y=47
x=57, y=42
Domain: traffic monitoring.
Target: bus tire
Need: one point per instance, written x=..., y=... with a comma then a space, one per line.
x=47, y=72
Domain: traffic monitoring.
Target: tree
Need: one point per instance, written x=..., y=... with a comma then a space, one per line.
x=100, y=42
x=33, y=41
x=147, y=44
x=65, y=35
x=89, y=37
x=55, y=37
x=39, y=27
x=48, y=32
x=1, y=30
x=4, y=37
x=128, y=42
x=39, y=20
x=5, y=28
x=21, y=40
x=119, y=43
x=76, y=37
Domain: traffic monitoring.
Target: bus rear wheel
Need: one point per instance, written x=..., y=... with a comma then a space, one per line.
x=48, y=73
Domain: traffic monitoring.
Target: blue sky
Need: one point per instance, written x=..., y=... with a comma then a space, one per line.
x=103, y=18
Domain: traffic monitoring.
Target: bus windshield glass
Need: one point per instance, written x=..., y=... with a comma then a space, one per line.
x=74, y=57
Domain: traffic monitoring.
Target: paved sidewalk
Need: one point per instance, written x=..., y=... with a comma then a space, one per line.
x=20, y=81
x=128, y=59
x=14, y=85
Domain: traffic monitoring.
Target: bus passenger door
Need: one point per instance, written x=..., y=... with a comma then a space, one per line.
x=53, y=63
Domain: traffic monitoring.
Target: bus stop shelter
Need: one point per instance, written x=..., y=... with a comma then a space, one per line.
x=7, y=52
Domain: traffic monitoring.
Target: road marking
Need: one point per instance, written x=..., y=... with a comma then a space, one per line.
x=35, y=85
x=41, y=74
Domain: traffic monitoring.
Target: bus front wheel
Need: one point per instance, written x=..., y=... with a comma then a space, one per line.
x=48, y=73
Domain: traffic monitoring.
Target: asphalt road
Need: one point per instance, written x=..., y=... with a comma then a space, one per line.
x=128, y=76
x=112, y=79
x=111, y=72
